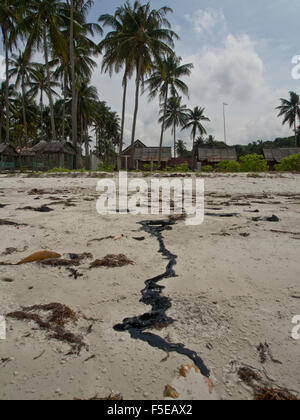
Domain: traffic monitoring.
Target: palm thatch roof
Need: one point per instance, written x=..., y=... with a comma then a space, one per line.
x=277, y=154
x=136, y=144
x=7, y=150
x=151, y=154
x=49, y=147
x=215, y=155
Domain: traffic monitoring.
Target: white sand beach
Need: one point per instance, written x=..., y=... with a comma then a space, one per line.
x=237, y=287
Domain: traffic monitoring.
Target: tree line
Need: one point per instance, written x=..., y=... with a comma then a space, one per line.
x=139, y=42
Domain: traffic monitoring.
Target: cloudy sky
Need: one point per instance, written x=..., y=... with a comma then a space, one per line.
x=242, y=52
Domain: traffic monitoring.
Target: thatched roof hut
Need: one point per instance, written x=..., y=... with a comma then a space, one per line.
x=54, y=154
x=151, y=154
x=136, y=145
x=8, y=157
x=216, y=155
x=48, y=147
x=275, y=155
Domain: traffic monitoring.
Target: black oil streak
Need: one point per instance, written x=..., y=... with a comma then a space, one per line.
x=151, y=295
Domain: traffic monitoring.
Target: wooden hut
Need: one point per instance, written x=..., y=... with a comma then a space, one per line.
x=150, y=155
x=126, y=154
x=54, y=154
x=275, y=155
x=212, y=156
x=8, y=157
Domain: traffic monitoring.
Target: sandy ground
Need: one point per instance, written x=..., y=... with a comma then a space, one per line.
x=237, y=286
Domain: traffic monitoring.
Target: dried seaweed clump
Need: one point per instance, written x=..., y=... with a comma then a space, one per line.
x=112, y=261
x=56, y=262
x=55, y=323
x=262, y=391
x=110, y=397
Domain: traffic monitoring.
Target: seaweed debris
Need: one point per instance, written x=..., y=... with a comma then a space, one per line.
x=9, y=223
x=56, y=262
x=42, y=209
x=112, y=261
x=261, y=390
x=55, y=323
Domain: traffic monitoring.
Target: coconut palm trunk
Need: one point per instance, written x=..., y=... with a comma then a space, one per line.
x=137, y=94
x=7, y=81
x=163, y=127
x=53, y=130
x=24, y=110
x=295, y=126
x=174, y=129
x=73, y=81
x=123, y=113
x=64, y=106
x=42, y=109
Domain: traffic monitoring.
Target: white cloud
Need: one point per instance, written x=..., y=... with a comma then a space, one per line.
x=207, y=20
x=234, y=73
x=2, y=68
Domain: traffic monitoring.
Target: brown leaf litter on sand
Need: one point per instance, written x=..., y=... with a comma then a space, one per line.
x=39, y=256
x=56, y=262
x=55, y=323
x=112, y=261
x=170, y=392
x=9, y=251
x=263, y=391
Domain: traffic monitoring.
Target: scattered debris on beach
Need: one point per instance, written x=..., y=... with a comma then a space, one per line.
x=55, y=323
x=42, y=209
x=10, y=223
x=170, y=392
x=273, y=218
x=112, y=261
x=262, y=390
x=39, y=256
x=110, y=397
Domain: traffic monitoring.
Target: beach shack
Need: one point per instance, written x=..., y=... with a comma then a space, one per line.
x=150, y=156
x=213, y=156
x=275, y=155
x=8, y=157
x=126, y=154
x=54, y=154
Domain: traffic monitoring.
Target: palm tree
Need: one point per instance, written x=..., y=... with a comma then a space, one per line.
x=174, y=115
x=39, y=85
x=43, y=21
x=290, y=110
x=167, y=77
x=145, y=37
x=22, y=71
x=8, y=18
x=114, y=61
x=11, y=98
x=195, y=119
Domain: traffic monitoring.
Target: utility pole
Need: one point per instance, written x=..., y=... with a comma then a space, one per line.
x=225, y=135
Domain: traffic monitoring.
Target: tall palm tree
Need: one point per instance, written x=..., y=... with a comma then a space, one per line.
x=43, y=21
x=8, y=19
x=195, y=121
x=290, y=110
x=174, y=115
x=11, y=98
x=22, y=71
x=167, y=77
x=145, y=37
x=113, y=60
x=39, y=85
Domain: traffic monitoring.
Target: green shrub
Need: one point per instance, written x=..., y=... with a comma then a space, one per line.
x=184, y=167
x=289, y=164
x=57, y=170
x=207, y=168
x=254, y=163
x=228, y=166
x=106, y=167
x=147, y=166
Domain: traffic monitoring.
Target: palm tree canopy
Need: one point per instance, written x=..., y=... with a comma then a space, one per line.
x=290, y=109
x=176, y=113
x=167, y=75
x=195, y=119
